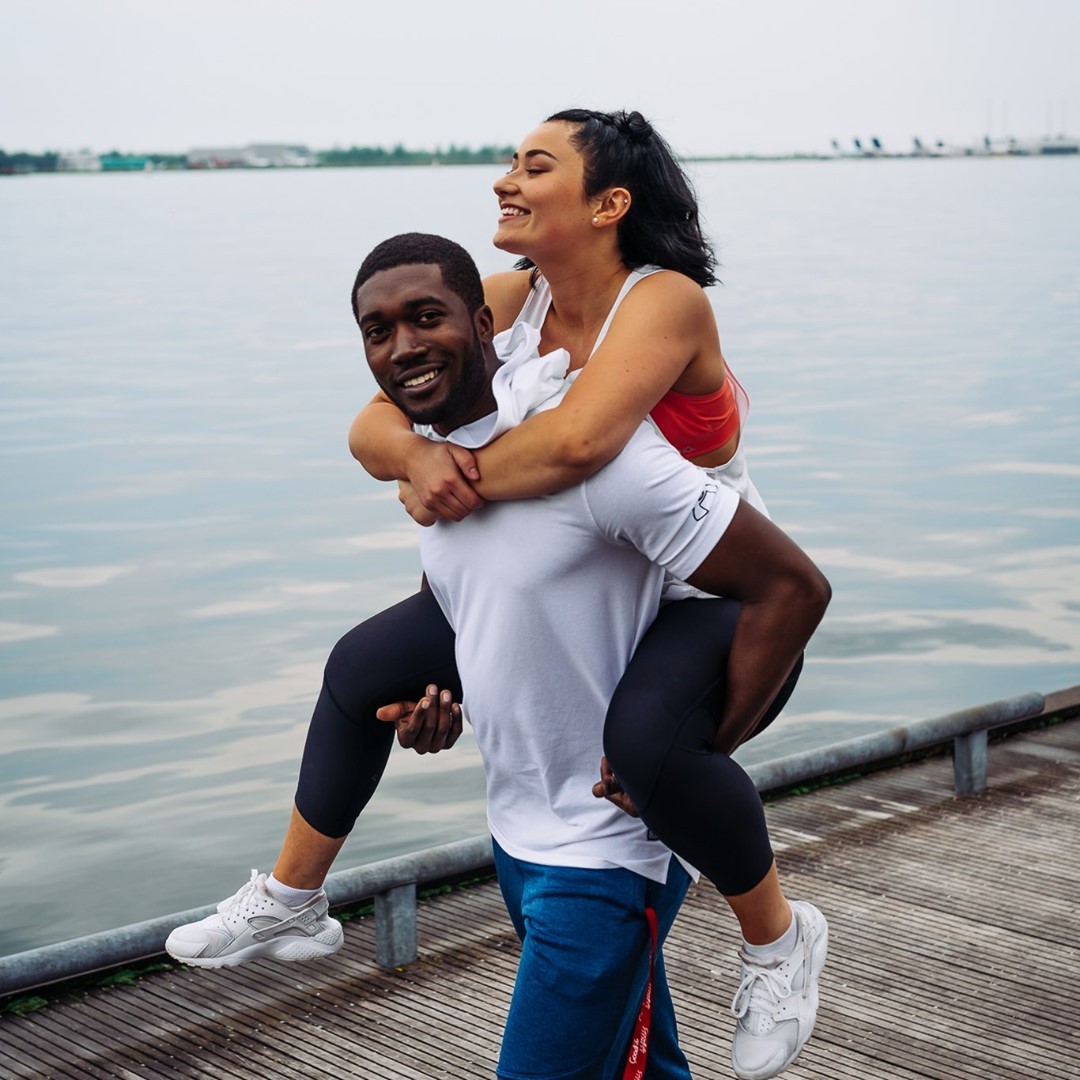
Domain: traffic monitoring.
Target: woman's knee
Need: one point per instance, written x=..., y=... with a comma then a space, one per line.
x=351, y=653
x=391, y=655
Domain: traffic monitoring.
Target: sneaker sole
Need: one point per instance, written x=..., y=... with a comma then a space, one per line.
x=289, y=949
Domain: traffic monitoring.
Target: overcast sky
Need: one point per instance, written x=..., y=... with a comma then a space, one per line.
x=757, y=76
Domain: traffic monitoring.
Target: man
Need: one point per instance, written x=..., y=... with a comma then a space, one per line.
x=548, y=598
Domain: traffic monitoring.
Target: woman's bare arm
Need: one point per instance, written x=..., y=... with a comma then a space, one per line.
x=661, y=326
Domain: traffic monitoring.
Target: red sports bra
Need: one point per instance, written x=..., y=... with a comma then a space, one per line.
x=697, y=424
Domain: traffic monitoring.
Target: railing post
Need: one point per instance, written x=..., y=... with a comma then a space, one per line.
x=969, y=762
x=395, y=926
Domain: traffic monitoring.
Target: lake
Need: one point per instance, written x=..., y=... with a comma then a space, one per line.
x=185, y=535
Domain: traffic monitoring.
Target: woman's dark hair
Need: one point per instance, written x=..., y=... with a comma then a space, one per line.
x=458, y=269
x=661, y=228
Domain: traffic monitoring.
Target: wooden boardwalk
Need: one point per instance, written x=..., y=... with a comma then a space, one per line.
x=955, y=930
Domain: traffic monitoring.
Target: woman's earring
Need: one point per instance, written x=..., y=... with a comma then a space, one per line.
x=596, y=221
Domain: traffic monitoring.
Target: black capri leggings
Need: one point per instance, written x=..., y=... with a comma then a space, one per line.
x=393, y=656
x=658, y=738
x=658, y=733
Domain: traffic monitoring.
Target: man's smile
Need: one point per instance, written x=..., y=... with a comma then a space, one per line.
x=420, y=378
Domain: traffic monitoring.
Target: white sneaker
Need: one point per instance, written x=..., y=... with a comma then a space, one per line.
x=251, y=924
x=776, y=1004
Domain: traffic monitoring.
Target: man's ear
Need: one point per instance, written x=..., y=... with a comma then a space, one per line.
x=611, y=206
x=484, y=322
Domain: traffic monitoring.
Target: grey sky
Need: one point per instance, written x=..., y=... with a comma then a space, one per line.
x=755, y=76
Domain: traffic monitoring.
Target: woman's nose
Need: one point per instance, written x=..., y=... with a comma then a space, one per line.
x=504, y=184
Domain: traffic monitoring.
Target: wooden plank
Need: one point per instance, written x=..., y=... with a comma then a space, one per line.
x=144, y=1029
x=46, y=1054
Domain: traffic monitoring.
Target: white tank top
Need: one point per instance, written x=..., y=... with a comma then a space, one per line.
x=536, y=306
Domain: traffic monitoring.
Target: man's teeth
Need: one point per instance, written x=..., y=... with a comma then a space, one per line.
x=420, y=379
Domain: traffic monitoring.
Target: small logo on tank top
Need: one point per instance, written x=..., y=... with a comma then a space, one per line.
x=703, y=501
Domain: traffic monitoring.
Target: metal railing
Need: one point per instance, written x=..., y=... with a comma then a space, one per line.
x=966, y=729
x=392, y=883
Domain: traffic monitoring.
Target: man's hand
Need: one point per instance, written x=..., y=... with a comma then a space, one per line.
x=426, y=726
x=439, y=483
x=608, y=787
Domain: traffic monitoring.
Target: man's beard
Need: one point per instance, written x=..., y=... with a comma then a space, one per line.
x=460, y=401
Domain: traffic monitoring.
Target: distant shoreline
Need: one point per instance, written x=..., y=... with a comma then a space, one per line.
x=732, y=159
x=280, y=156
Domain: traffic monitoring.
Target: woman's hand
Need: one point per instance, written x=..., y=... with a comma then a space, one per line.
x=438, y=485
x=427, y=726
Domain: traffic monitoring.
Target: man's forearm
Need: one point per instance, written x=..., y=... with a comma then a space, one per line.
x=770, y=636
x=783, y=597
x=381, y=439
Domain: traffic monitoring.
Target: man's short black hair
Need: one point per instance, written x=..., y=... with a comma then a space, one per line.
x=407, y=249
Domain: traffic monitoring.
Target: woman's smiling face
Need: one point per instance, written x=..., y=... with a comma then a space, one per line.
x=542, y=202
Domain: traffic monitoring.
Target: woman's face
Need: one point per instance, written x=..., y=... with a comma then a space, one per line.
x=542, y=202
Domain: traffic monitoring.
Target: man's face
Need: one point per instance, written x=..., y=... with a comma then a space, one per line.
x=423, y=346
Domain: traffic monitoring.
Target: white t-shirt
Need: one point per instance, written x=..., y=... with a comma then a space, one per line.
x=549, y=597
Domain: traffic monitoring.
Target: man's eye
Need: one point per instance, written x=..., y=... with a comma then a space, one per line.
x=372, y=333
x=426, y=318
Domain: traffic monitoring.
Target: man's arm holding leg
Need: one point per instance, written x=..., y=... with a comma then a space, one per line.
x=783, y=596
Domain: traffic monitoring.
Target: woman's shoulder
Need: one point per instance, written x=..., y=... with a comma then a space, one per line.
x=670, y=282
x=669, y=293
x=505, y=293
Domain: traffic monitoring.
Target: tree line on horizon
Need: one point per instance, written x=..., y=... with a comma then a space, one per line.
x=51, y=161
x=377, y=155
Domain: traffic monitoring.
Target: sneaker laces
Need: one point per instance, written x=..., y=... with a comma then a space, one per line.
x=762, y=989
x=241, y=895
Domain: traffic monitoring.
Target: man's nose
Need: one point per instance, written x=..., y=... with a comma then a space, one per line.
x=408, y=345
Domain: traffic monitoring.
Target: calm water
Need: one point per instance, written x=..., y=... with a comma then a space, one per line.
x=185, y=535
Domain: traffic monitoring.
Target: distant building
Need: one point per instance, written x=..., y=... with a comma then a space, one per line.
x=274, y=155
x=79, y=161
x=219, y=157
x=124, y=163
x=254, y=156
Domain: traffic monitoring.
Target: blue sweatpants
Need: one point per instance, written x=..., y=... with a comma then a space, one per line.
x=584, y=966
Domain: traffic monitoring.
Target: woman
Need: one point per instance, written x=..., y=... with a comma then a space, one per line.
x=614, y=265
